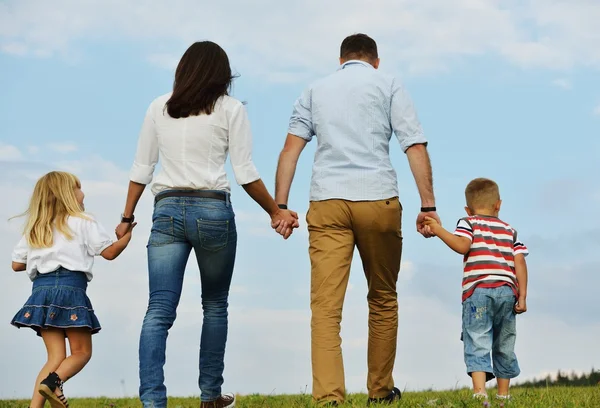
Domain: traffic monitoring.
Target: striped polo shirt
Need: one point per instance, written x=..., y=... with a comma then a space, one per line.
x=490, y=262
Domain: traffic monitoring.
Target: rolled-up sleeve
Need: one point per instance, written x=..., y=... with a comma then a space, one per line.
x=301, y=124
x=404, y=119
x=20, y=251
x=146, y=155
x=240, y=146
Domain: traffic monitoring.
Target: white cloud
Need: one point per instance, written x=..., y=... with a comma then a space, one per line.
x=9, y=152
x=62, y=147
x=563, y=83
x=597, y=110
x=415, y=35
x=33, y=149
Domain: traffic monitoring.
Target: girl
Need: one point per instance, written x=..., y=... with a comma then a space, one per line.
x=57, y=250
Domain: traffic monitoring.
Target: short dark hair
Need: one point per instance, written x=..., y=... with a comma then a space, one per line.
x=203, y=75
x=358, y=46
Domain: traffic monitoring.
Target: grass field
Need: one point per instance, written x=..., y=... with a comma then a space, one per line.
x=552, y=397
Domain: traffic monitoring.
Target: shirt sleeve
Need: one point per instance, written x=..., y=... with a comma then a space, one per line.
x=240, y=147
x=20, y=251
x=519, y=247
x=301, y=124
x=404, y=119
x=464, y=229
x=146, y=155
x=96, y=237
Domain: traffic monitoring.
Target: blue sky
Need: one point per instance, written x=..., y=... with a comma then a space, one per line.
x=509, y=93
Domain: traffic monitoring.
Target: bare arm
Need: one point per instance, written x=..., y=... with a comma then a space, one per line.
x=458, y=244
x=18, y=266
x=119, y=246
x=418, y=159
x=134, y=193
x=258, y=192
x=286, y=167
x=521, y=273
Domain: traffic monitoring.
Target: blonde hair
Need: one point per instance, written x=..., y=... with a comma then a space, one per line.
x=52, y=202
x=482, y=193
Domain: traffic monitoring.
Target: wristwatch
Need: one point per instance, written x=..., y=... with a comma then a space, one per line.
x=428, y=209
x=282, y=206
x=128, y=220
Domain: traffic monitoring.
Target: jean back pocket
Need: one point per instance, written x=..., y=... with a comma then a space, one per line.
x=213, y=235
x=162, y=232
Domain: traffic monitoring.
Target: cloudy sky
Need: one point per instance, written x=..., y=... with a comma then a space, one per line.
x=507, y=90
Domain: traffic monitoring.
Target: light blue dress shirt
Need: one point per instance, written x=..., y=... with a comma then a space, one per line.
x=353, y=113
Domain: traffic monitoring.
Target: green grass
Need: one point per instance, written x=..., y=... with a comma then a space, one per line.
x=552, y=397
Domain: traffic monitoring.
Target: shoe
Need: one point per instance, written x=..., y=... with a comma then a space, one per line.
x=480, y=396
x=503, y=397
x=224, y=401
x=393, y=396
x=47, y=388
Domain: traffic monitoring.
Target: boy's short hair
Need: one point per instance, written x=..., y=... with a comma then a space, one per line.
x=482, y=193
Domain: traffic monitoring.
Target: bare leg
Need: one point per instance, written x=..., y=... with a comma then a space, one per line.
x=80, y=343
x=503, y=385
x=478, y=378
x=54, y=339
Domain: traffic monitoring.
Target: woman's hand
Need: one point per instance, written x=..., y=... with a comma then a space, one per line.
x=122, y=229
x=284, y=222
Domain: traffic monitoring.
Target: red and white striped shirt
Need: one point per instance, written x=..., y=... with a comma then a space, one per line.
x=490, y=262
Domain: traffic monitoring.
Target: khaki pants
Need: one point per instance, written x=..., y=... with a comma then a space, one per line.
x=335, y=227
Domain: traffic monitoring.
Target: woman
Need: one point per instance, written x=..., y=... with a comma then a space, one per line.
x=192, y=129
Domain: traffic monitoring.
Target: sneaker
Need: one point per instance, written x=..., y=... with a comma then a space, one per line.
x=392, y=397
x=47, y=389
x=224, y=401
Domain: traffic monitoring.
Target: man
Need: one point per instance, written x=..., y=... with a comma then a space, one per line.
x=354, y=202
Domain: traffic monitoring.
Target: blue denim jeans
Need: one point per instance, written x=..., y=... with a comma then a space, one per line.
x=180, y=224
x=489, y=325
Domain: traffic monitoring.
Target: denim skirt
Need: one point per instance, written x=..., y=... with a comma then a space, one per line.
x=58, y=300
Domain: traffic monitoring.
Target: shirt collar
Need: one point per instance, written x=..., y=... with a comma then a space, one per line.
x=355, y=62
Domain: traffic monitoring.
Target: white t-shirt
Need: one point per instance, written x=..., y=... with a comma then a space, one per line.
x=77, y=254
x=193, y=150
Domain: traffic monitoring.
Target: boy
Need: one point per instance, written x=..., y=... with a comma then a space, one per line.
x=495, y=274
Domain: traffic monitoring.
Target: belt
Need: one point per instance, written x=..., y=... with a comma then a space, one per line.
x=196, y=193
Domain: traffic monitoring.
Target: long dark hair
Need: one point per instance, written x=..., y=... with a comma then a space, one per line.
x=202, y=77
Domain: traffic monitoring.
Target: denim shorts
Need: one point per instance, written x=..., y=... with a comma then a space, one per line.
x=58, y=300
x=489, y=326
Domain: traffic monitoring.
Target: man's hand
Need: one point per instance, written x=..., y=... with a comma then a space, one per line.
x=284, y=222
x=521, y=306
x=424, y=227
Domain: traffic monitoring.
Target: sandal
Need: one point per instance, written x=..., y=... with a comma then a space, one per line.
x=47, y=388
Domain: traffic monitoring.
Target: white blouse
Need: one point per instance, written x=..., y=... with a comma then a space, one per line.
x=193, y=150
x=77, y=254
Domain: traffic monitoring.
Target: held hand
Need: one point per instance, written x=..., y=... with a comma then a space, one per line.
x=124, y=228
x=521, y=306
x=427, y=223
x=284, y=221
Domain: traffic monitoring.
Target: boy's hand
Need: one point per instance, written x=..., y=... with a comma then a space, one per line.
x=521, y=306
x=432, y=224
